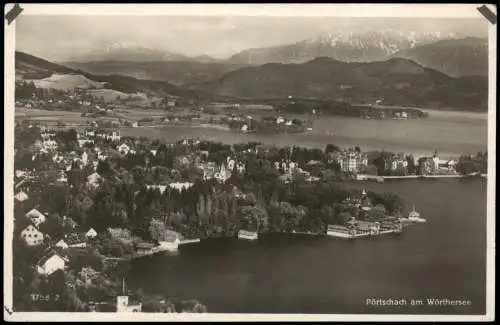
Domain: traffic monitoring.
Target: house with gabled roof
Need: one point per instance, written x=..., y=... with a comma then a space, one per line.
x=62, y=244
x=21, y=196
x=51, y=263
x=36, y=217
x=123, y=148
x=91, y=233
x=32, y=236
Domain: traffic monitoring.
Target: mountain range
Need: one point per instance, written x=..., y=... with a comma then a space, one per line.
x=374, y=45
x=396, y=82
x=448, y=53
x=129, y=52
x=458, y=57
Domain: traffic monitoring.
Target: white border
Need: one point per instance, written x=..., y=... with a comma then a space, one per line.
x=278, y=10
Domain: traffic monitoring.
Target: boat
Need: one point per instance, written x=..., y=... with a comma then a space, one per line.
x=248, y=235
x=414, y=216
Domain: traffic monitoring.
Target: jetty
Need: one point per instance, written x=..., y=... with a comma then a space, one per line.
x=365, y=230
x=189, y=241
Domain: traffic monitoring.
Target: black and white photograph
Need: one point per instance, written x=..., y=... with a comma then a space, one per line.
x=253, y=161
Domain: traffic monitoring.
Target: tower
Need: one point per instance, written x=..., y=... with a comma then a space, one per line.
x=121, y=304
x=122, y=301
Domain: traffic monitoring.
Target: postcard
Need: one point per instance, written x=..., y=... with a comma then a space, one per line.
x=277, y=162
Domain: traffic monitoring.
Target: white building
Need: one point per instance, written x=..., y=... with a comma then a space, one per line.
x=82, y=142
x=50, y=145
x=32, y=236
x=180, y=186
x=20, y=173
x=230, y=164
x=61, y=244
x=85, y=158
x=124, y=306
x=36, y=217
x=123, y=148
x=223, y=175
x=162, y=188
x=91, y=233
x=62, y=178
x=280, y=120
x=51, y=263
x=115, y=136
x=21, y=196
x=57, y=158
x=240, y=167
x=89, y=133
x=94, y=179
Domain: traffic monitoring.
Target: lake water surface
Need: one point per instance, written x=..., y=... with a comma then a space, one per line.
x=444, y=258
x=451, y=133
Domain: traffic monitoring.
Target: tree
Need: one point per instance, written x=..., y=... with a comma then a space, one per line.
x=412, y=169
x=466, y=166
x=53, y=226
x=88, y=257
x=253, y=218
x=343, y=217
x=159, y=231
x=377, y=212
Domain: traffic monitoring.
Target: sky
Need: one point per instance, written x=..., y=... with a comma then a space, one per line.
x=59, y=37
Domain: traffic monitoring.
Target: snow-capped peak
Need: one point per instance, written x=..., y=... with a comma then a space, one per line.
x=127, y=45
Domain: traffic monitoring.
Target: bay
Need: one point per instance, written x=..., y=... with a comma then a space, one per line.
x=444, y=259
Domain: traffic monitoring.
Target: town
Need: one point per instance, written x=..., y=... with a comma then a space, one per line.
x=88, y=201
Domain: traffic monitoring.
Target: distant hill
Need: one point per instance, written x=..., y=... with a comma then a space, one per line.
x=29, y=67
x=135, y=53
x=363, y=46
x=396, y=82
x=177, y=73
x=456, y=57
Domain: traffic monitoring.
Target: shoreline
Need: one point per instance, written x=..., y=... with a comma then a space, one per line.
x=381, y=179
x=306, y=139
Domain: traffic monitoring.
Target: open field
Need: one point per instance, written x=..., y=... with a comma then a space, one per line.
x=67, y=82
x=69, y=118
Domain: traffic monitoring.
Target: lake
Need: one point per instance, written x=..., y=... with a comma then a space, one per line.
x=445, y=258
x=451, y=133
